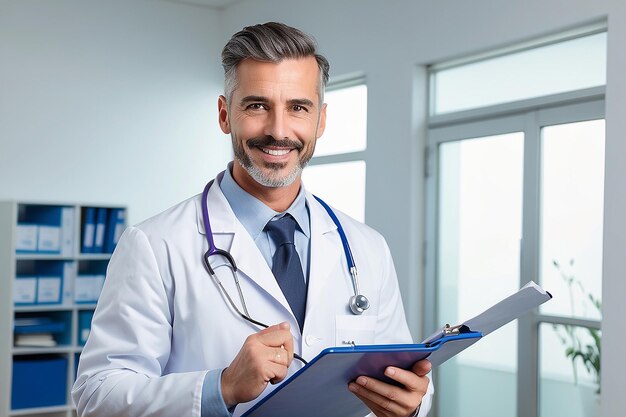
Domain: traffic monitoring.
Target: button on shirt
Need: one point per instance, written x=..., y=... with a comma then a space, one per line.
x=254, y=215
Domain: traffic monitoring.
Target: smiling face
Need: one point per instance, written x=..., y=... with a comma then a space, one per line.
x=274, y=119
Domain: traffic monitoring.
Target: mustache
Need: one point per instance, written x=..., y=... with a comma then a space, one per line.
x=267, y=141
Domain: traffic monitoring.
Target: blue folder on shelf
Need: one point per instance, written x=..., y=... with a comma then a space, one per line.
x=38, y=325
x=320, y=388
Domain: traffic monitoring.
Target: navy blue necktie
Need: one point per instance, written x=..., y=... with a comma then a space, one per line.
x=286, y=265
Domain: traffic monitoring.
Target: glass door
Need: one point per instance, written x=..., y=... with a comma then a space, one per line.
x=572, y=196
x=478, y=264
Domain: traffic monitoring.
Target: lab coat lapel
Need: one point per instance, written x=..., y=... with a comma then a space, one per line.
x=229, y=234
x=326, y=255
x=253, y=265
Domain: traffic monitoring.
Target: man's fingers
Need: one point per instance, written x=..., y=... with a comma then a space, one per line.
x=276, y=372
x=374, y=407
x=264, y=357
x=278, y=335
x=288, y=346
x=279, y=356
x=392, y=399
x=384, y=402
x=422, y=367
x=409, y=379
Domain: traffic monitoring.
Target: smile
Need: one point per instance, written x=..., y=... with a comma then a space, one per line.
x=275, y=152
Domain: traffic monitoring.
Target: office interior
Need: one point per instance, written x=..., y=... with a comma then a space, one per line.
x=113, y=103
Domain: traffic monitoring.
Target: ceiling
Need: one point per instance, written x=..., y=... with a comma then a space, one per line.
x=215, y=4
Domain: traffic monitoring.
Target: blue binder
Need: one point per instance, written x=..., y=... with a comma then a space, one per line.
x=321, y=387
x=39, y=381
x=101, y=220
x=89, y=230
x=114, y=228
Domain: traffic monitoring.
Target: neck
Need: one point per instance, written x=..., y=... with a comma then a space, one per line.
x=277, y=198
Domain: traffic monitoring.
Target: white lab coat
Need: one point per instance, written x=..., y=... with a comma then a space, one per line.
x=162, y=323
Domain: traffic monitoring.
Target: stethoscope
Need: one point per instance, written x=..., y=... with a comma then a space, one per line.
x=358, y=303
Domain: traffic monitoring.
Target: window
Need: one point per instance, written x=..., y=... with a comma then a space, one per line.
x=516, y=194
x=346, y=122
x=572, y=184
x=337, y=171
x=554, y=68
x=342, y=184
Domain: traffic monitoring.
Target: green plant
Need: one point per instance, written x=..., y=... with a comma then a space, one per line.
x=575, y=349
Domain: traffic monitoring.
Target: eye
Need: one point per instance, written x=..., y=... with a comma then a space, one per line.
x=298, y=108
x=255, y=106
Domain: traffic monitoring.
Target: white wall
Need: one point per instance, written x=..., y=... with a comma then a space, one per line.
x=109, y=101
x=389, y=41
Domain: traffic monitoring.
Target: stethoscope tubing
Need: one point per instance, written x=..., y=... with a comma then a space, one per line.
x=342, y=234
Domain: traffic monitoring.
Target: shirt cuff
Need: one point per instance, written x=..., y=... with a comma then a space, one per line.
x=212, y=401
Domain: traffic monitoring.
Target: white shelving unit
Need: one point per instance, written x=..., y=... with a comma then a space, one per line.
x=73, y=263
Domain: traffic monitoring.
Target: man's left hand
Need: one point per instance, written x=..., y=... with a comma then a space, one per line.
x=386, y=400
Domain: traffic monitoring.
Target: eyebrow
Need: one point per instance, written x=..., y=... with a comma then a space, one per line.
x=261, y=99
x=253, y=99
x=305, y=102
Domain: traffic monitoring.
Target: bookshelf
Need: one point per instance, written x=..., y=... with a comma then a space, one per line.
x=53, y=260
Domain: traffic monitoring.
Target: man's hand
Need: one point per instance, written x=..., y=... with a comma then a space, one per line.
x=264, y=357
x=386, y=400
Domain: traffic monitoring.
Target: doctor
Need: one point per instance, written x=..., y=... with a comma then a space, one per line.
x=167, y=340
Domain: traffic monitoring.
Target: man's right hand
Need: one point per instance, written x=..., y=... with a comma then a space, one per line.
x=264, y=357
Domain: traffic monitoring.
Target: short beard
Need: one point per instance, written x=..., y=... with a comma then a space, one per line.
x=257, y=173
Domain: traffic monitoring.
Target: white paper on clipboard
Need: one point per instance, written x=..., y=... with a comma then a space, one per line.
x=528, y=297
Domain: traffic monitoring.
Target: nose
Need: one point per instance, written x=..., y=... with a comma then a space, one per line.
x=277, y=126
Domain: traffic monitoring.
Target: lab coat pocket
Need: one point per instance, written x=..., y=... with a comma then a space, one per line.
x=358, y=330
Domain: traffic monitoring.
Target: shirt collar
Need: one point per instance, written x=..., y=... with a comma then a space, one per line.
x=253, y=214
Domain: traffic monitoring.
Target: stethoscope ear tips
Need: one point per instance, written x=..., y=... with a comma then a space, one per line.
x=359, y=303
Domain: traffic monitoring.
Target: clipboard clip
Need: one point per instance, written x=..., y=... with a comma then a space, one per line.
x=447, y=330
x=453, y=330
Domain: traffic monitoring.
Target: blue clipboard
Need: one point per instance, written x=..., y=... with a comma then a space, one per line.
x=321, y=387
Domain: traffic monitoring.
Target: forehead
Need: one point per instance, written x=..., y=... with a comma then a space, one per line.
x=290, y=78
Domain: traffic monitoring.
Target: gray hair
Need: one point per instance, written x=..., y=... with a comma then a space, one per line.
x=269, y=42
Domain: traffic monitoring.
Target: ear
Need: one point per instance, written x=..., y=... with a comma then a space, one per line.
x=222, y=109
x=321, y=124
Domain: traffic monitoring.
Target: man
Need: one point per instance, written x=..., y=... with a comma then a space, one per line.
x=169, y=339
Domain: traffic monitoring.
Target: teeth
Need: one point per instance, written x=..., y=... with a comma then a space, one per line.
x=276, y=152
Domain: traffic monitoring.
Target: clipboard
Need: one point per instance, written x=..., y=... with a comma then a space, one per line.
x=321, y=387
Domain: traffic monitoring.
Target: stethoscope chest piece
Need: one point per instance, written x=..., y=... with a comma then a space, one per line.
x=359, y=303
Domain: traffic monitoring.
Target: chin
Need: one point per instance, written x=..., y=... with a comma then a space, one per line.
x=273, y=179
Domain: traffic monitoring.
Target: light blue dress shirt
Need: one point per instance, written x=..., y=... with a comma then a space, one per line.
x=254, y=215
